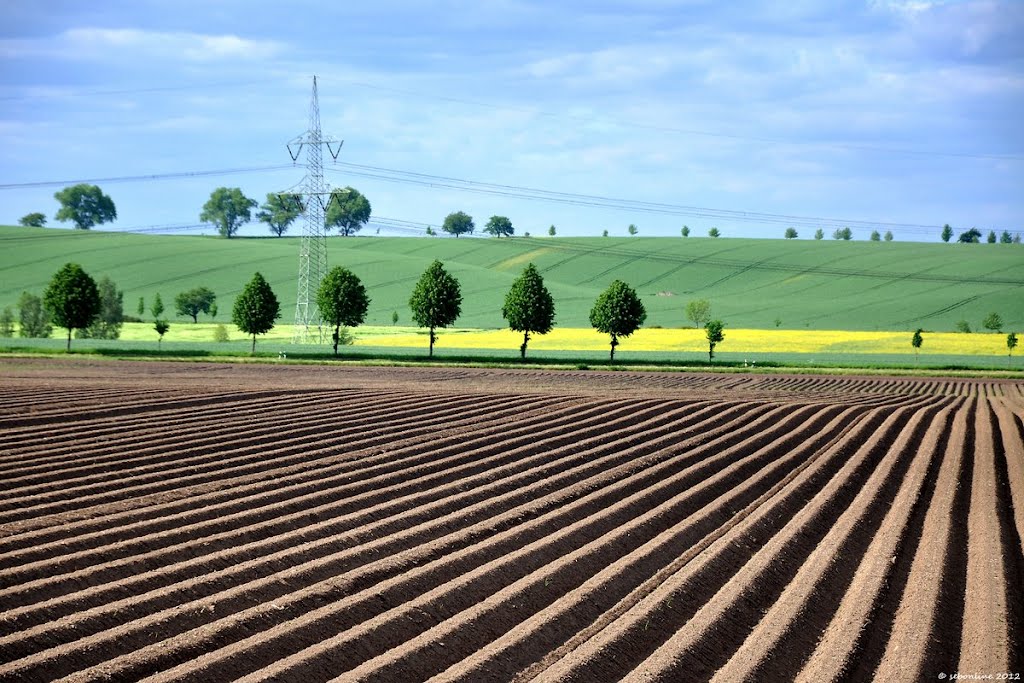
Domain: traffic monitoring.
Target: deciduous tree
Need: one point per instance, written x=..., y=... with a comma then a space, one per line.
x=7, y=322
x=632, y=229
x=1005, y=237
x=876, y=236
x=160, y=327
x=458, y=223
x=698, y=311
x=714, y=330
x=993, y=321
x=279, y=212
x=552, y=231
x=618, y=312
x=529, y=307
x=1011, y=344
x=972, y=236
x=85, y=205
x=991, y=239
x=436, y=300
x=157, y=309
x=108, y=322
x=791, y=234
x=32, y=220
x=916, y=342
x=228, y=209
x=195, y=301
x=819, y=234
x=685, y=231
x=843, y=234
x=33, y=318
x=342, y=301
x=947, y=232
x=256, y=308
x=499, y=226
x=72, y=299
x=713, y=232
x=888, y=236
x=348, y=211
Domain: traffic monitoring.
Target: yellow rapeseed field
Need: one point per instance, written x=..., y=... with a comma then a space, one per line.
x=585, y=339
x=692, y=340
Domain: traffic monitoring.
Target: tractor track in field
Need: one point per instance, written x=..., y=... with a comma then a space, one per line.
x=170, y=522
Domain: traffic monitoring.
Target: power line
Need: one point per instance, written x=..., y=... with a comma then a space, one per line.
x=616, y=203
x=139, y=178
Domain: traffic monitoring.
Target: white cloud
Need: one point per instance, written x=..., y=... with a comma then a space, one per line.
x=136, y=44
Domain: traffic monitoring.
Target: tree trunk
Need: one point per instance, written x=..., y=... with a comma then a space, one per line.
x=69, y=339
x=431, y=342
x=615, y=342
x=711, y=352
x=522, y=349
x=254, y=343
x=195, y=318
x=337, y=333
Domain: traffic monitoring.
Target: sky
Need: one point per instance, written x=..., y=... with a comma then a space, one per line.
x=750, y=117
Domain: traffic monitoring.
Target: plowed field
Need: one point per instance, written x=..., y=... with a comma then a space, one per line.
x=204, y=522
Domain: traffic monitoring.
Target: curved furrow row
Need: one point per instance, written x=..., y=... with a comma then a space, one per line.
x=209, y=450
x=799, y=613
x=303, y=494
x=489, y=639
x=104, y=441
x=370, y=514
x=64, y=415
x=245, y=461
x=314, y=629
x=368, y=457
x=259, y=611
x=695, y=610
x=468, y=524
x=47, y=446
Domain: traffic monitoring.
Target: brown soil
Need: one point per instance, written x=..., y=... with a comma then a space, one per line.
x=203, y=521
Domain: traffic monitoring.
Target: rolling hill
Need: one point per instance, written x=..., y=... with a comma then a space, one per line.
x=794, y=284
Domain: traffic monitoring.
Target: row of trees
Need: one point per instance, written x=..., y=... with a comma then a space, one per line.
x=973, y=236
x=918, y=340
x=345, y=209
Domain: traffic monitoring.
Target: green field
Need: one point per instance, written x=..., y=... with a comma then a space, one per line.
x=801, y=284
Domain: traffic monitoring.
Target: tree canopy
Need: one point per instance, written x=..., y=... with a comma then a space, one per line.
x=33, y=318
x=714, y=330
x=618, y=312
x=228, y=209
x=436, y=300
x=72, y=299
x=791, y=234
x=256, y=308
x=993, y=321
x=698, y=311
x=348, y=211
x=947, y=232
x=529, y=307
x=499, y=226
x=195, y=301
x=342, y=301
x=632, y=229
x=108, y=322
x=279, y=212
x=85, y=205
x=843, y=234
x=972, y=236
x=32, y=220
x=458, y=223
x=713, y=232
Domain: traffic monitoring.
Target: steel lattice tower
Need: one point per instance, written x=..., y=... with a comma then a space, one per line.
x=315, y=198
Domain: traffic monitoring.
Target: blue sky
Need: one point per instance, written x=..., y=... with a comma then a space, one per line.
x=878, y=114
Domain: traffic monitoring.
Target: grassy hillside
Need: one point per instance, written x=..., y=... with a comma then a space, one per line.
x=751, y=283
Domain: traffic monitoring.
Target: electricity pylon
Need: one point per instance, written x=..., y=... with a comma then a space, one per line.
x=314, y=200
